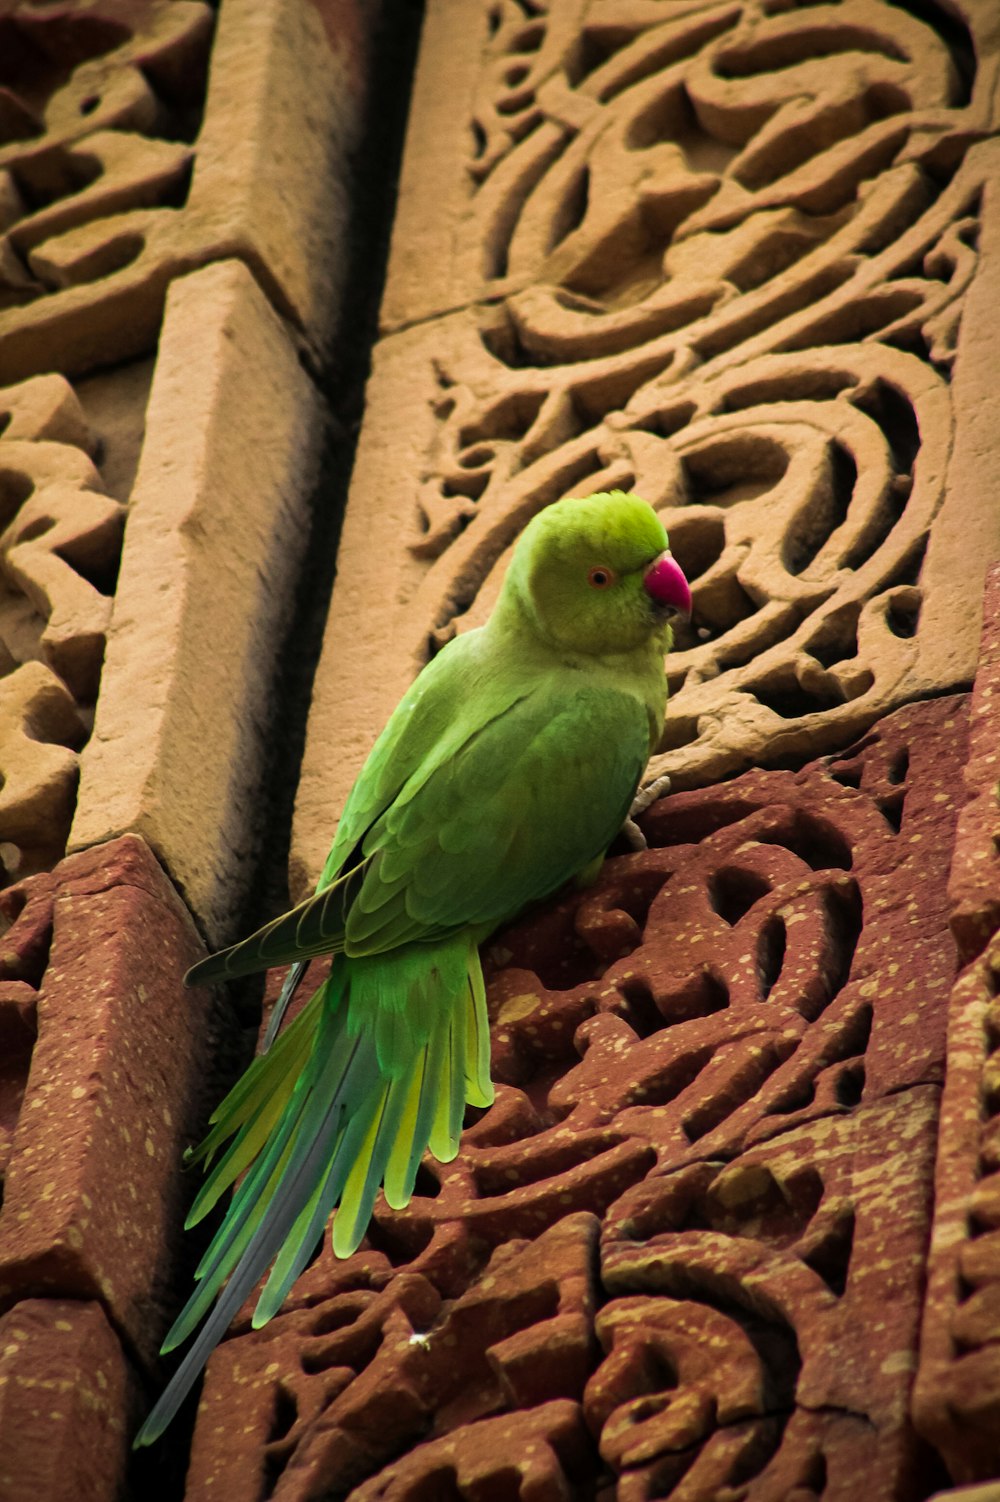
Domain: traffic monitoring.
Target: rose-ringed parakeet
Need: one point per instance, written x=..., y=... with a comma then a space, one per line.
x=506, y=770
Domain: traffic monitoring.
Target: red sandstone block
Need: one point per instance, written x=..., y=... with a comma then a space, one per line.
x=93, y=1195
x=67, y=1396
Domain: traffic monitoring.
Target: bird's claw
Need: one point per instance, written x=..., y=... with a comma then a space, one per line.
x=646, y=795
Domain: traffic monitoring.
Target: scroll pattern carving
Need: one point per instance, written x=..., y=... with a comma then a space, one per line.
x=728, y=1054
x=60, y=538
x=725, y=252
x=100, y=105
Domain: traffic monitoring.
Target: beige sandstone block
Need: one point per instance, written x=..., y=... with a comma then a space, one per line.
x=216, y=528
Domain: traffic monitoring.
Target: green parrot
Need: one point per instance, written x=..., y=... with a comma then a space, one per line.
x=506, y=770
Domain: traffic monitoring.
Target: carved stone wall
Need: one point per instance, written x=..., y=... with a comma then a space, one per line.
x=169, y=282
x=743, y=258
x=723, y=254
x=729, y=1231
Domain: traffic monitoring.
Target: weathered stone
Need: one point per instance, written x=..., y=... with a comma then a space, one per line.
x=217, y=525
x=730, y=1051
x=680, y=254
x=59, y=552
x=106, y=154
x=66, y=1401
x=352, y=1380
x=957, y=1396
x=111, y=1089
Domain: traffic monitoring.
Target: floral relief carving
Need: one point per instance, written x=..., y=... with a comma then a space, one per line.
x=721, y=1068
x=717, y=254
x=59, y=548
x=101, y=105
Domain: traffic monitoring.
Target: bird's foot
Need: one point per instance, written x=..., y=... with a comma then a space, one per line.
x=646, y=795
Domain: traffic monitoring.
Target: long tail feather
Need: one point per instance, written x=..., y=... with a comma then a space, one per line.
x=374, y=1070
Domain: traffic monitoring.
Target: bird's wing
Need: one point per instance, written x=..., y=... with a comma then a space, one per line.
x=503, y=817
x=520, y=809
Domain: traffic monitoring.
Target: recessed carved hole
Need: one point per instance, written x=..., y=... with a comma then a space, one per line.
x=478, y=140
x=911, y=340
x=831, y=1258
x=639, y=1009
x=836, y=640
x=903, y=612
x=596, y=44
x=850, y=1085
x=284, y=1414
x=818, y=843
x=399, y=1239
x=15, y=488
x=969, y=234
x=898, y=767
x=342, y=1314
x=717, y=607
x=426, y=1185
x=734, y=468
x=444, y=408
x=668, y=420
x=891, y=505
x=795, y=1098
x=699, y=994
x=5, y=418
x=843, y=916
x=100, y=573
x=697, y=542
x=499, y=333
x=35, y=529
x=910, y=565
x=572, y=210
x=827, y=510
x=883, y=100
x=957, y=39
x=848, y=776
x=493, y=19
x=771, y=945
x=528, y=39
x=813, y=1476
x=732, y=892
x=854, y=1036
x=891, y=809
x=675, y=681
x=507, y=420
x=893, y=411
x=678, y=730
x=469, y=486
x=794, y=701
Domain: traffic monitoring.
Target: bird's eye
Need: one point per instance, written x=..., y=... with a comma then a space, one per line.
x=600, y=577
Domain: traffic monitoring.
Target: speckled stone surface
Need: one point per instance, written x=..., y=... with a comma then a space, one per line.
x=708, y=1171
x=106, y=1096
x=67, y=1398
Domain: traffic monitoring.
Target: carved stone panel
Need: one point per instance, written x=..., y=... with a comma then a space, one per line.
x=719, y=1075
x=737, y=259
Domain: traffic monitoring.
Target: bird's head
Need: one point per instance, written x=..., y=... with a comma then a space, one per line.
x=596, y=576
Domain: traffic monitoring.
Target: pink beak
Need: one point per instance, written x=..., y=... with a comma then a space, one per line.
x=667, y=587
